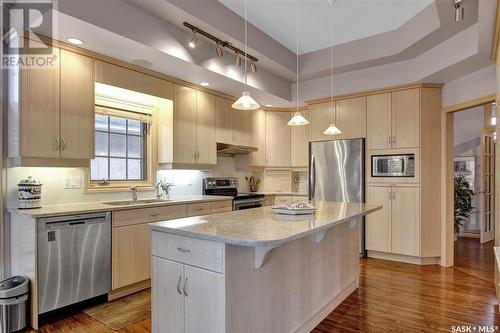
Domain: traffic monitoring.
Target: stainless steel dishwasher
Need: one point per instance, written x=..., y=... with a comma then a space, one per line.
x=74, y=259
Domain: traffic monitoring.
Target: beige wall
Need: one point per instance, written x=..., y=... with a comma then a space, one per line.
x=471, y=86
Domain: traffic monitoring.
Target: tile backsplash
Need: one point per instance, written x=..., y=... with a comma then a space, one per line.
x=61, y=185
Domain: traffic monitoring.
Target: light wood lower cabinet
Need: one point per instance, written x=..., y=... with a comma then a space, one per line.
x=283, y=200
x=406, y=220
x=396, y=228
x=186, y=298
x=131, y=244
x=166, y=296
x=378, y=224
x=131, y=253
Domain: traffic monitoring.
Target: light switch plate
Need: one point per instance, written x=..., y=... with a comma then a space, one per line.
x=72, y=182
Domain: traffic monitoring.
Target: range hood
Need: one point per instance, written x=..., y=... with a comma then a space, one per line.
x=227, y=149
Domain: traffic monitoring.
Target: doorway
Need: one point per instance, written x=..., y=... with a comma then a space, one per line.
x=473, y=190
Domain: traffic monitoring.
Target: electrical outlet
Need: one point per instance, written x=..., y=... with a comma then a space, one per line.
x=72, y=182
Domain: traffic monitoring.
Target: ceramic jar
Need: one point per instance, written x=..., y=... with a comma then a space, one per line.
x=29, y=193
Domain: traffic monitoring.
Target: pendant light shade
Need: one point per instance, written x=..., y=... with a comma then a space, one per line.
x=246, y=102
x=298, y=120
x=332, y=130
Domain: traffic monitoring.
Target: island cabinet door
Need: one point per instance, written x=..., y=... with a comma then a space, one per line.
x=378, y=224
x=406, y=220
x=167, y=296
x=204, y=301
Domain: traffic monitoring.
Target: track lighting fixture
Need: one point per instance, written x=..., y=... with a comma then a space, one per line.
x=253, y=66
x=194, y=40
x=459, y=10
x=237, y=59
x=218, y=51
x=221, y=44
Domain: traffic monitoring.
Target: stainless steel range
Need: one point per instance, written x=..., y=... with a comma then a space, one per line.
x=228, y=186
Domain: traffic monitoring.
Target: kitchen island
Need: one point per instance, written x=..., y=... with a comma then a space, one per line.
x=253, y=270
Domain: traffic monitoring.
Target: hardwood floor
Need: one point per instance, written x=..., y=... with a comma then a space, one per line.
x=474, y=258
x=393, y=297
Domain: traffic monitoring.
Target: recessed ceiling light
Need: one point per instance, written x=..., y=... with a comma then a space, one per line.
x=205, y=84
x=75, y=41
x=269, y=105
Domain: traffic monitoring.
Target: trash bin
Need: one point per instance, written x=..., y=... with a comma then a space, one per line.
x=13, y=304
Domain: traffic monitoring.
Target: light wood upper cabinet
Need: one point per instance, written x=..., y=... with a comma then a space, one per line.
x=300, y=143
x=38, y=127
x=233, y=126
x=406, y=118
x=184, y=125
x=224, y=130
x=378, y=116
x=77, y=106
x=321, y=115
x=378, y=224
x=351, y=117
x=51, y=111
x=242, y=127
x=406, y=220
x=277, y=139
x=258, y=118
x=206, y=150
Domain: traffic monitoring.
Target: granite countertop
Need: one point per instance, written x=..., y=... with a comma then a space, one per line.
x=261, y=226
x=90, y=207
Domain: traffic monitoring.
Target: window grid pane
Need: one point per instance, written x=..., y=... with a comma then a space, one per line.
x=121, y=146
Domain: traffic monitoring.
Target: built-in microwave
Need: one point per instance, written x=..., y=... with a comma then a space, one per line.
x=393, y=165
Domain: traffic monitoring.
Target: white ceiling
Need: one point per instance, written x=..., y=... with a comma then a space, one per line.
x=352, y=19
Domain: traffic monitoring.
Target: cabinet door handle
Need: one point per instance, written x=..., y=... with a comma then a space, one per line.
x=179, y=285
x=57, y=144
x=393, y=139
x=390, y=140
x=393, y=195
x=154, y=214
x=63, y=144
x=184, y=289
x=180, y=249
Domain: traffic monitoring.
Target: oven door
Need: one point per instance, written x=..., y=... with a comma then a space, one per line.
x=246, y=204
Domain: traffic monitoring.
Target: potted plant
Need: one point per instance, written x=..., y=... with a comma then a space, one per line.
x=165, y=188
x=463, y=202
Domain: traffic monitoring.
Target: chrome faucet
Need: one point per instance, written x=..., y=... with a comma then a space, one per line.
x=134, y=192
x=158, y=191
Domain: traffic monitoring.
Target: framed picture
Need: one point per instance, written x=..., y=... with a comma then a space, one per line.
x=465, y=166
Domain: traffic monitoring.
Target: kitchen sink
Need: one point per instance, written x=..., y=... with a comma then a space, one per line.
x=136, y=202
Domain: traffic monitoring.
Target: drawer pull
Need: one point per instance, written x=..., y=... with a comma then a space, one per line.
x=154, y=214
x=180, y=249
x=185, y=287
x=179, y=285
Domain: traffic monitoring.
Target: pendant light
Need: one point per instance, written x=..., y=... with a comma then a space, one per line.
x=332, y=129
x=297, y=119
x=246, y=102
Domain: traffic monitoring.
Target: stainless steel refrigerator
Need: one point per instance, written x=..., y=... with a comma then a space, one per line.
x=336, y=173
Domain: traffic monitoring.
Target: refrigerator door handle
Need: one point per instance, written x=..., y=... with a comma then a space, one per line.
x=312, y=178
